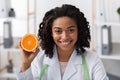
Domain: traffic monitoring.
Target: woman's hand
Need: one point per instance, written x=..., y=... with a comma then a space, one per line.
x=27, y=58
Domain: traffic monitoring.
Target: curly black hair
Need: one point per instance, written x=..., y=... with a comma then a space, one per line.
x=45, y=28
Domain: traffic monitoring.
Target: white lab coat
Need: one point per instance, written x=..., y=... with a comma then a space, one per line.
x=74, y=68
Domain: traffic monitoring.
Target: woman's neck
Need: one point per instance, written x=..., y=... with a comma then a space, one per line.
x=64, y=56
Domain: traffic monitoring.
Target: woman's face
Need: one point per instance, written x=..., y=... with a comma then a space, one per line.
x=64, y=33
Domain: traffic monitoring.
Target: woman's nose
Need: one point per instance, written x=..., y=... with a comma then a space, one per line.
x=65, y=35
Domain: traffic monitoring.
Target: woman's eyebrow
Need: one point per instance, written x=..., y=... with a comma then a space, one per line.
x=71, y=27
x=56, y=28
x=67, y=27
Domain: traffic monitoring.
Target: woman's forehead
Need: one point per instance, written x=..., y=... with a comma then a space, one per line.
x=64, y=22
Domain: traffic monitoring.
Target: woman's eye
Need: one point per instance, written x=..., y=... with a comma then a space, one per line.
x=58, y=31
x=71, y=30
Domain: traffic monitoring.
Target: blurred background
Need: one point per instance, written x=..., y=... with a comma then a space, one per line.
x=18, y=17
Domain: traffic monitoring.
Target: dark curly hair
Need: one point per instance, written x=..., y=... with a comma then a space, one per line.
x=45, y=28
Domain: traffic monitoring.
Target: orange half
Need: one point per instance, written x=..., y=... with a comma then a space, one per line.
x=29, y=42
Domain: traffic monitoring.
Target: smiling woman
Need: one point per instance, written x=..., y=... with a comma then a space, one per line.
x=64, y=35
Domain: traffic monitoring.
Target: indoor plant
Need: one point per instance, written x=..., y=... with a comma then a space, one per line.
x=118, y=11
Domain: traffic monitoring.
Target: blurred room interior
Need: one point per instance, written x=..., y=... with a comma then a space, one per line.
x=18, y=17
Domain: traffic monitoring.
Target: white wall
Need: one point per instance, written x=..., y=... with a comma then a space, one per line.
x=111, y=10
x=4, y=8
x=113, y=17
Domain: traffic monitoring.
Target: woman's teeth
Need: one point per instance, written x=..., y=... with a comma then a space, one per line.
x=65, y=43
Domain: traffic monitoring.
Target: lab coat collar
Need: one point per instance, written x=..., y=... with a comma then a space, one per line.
x=74, y=59
x=53, y=60
x=71, y=67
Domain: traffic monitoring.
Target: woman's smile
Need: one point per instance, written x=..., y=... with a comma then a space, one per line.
x=65, y=43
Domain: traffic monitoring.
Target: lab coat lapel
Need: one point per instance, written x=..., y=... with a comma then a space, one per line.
x=71, y=68
x=54, y=67
x=69, y=72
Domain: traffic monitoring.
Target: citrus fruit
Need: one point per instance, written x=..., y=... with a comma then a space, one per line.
x=29, y=42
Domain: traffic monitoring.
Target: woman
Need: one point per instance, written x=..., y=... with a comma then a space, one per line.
x=64, y=35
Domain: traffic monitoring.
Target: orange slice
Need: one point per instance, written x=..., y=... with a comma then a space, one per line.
x=29, y=42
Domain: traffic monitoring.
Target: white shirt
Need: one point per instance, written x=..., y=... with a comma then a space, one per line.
x=73, y=71
x=63, y=67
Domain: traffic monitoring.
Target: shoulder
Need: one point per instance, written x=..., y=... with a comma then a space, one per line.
x=40, y=55
x=92, y=58
x=91, y=55
x=38, y=61
x=95, y=66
